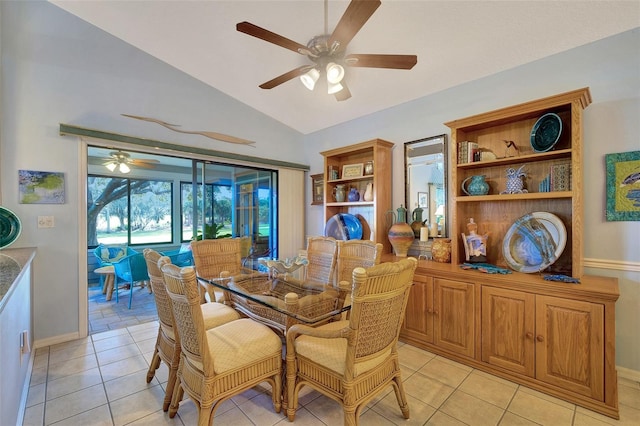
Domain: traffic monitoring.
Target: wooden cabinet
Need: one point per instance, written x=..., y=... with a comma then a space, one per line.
x=570, y=345
x=454, y=314
x=508, y=329
x=418, y=322
x=359, y=158
x=557, y=338
x=441, y=312
x=554, y=337
x=317, y=189
x=495, y=212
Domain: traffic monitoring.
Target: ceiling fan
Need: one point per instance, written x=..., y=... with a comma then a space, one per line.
x=122, y=161
x=327, y=51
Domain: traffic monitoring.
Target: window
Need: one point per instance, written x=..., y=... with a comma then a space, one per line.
x=131, y=211
x=154, y=202
x=217, y=208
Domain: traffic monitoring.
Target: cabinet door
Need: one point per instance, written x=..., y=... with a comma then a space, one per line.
x=418, y=319
x=508, y=327
x=569, y=345
x=454, y=322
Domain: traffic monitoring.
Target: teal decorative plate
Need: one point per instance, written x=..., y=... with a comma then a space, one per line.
x=343, y=226
x=545, y=133
x=10, y=227
x=534, y=242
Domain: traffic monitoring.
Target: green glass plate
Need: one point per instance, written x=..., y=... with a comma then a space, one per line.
x=10, y=227
x=545, y=133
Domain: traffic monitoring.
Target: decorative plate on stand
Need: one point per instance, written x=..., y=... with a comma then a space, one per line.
x=545, y=133
x=534, y=242
x=343, y=226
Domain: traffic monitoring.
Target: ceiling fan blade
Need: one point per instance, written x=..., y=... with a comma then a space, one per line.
x=344, y=94
x=403, y=62
x=271, y=37
x=138, y=163
x=357, y=14
x=285, y=77
x=145, y=161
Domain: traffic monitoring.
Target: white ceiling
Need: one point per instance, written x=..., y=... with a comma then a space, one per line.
x=455, y=41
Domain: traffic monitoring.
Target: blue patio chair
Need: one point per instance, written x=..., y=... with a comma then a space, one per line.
x=180, y=257
x=130, y=269
x=108, y=254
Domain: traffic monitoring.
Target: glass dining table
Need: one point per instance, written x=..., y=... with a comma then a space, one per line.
x=279, y=300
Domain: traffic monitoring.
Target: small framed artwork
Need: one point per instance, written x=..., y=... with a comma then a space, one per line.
x=423, y=199
x=623, y=186
x=317, y=189
x=40, y=187
x=351, y=170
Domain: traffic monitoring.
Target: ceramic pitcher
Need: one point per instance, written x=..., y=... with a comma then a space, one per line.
x=339, y=193
x=477, y=186
x=400, y=233
x=417, y=223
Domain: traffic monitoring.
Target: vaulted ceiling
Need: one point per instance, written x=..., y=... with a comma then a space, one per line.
x=455, y=41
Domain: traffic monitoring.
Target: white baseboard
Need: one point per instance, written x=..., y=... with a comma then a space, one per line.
x=618, y=265
x=49, y=341
x=628, y=374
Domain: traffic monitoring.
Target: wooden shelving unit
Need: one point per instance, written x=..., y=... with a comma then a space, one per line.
x=372, y=214
x=495, y=212
x=555, y=337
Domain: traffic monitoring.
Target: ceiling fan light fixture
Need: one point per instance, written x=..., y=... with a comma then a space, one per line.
x=310, y=78
x=124, y=168
x=335, y=73
x=334, y=88
x=111, y=166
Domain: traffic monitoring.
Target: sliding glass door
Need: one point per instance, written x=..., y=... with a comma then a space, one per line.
x=164, y=200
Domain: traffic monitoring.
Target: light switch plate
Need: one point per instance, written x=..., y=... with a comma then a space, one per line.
x=46, y=222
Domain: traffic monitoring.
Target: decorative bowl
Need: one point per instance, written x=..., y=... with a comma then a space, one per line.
x=284, y=266
x=545, y=133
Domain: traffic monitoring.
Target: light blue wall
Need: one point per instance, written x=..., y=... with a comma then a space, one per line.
x=56, y=68
x=611, y=69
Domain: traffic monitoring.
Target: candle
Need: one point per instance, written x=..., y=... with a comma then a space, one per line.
x=434, y=229
x=424, y=233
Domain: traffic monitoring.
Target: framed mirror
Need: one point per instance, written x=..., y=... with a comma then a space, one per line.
x=425, y=165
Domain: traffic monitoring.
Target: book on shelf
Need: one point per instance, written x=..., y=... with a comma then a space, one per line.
x=468, y=152
x=560, y=177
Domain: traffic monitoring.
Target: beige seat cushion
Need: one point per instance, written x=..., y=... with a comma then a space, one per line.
x=332, y=353
x=216, y=314
x=228, y=344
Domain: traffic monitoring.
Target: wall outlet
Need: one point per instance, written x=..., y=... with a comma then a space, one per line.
x=46, y=222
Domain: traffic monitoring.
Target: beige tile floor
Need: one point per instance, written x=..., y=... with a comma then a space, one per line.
x=105, y=315
x=100, y=380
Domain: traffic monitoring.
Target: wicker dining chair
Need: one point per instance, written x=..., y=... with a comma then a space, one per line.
x=352, y=361
x=212, y=257
x=354, y=254
x=167, y=346
x=224, y=361
x=321, y=257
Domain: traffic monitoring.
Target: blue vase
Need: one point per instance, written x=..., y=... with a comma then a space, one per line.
x=354, y=195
